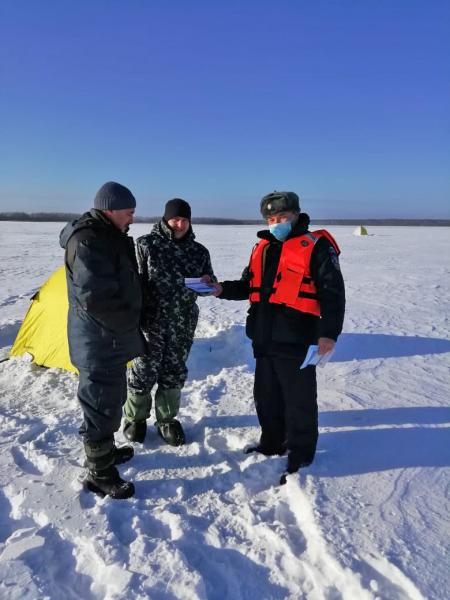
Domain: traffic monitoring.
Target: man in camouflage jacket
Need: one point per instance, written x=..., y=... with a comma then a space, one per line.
x=165, y=258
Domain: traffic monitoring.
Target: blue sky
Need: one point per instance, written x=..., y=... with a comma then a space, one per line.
x=345, y=102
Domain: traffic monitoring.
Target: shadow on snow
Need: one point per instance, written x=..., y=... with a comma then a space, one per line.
x=362, y=346
x=378, y=440
x=231, y=348
x=8, y=333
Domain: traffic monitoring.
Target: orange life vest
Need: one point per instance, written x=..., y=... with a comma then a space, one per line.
x=293, y=284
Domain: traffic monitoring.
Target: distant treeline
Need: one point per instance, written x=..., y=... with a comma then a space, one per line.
x=64, y=217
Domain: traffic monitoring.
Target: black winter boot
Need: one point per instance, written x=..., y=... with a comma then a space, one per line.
x=172, y=433
x=119, y=455
x=107, y=482
x=123, y=454
x=135, y=431
x=266, y=451
x=294, y=462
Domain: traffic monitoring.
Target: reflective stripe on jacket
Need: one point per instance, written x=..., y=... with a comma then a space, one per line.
x=293, y=284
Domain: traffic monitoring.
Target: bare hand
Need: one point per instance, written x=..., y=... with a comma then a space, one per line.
x=325, y=345
x=217, y=289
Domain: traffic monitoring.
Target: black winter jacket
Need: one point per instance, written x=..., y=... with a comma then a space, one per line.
x=278, y=330
x=104, y=293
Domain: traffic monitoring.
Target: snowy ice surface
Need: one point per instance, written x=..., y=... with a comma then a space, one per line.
x=369, y=519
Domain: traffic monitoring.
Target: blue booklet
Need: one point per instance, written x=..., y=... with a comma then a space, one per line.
x=314, y=358
x=197, y=285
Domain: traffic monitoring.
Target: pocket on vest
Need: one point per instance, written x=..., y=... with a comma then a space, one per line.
x=289, y=286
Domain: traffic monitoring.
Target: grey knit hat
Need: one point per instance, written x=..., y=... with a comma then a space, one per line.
x=279, y=202
x=114, y=196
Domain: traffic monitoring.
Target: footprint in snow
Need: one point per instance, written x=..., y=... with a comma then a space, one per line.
x=23, y=463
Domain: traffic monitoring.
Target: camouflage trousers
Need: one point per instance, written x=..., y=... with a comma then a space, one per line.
x=164, y=365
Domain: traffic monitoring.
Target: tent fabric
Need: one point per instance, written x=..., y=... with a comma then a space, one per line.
x=360, y=230
x=43, y=333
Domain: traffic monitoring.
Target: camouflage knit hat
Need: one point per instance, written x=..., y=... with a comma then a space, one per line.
x=279, y=202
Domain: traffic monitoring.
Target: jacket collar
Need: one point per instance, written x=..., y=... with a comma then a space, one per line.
x=94, y=219
x=162, y=229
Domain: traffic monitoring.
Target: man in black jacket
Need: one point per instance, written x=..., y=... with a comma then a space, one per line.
x=103, y=327
x=297, y=299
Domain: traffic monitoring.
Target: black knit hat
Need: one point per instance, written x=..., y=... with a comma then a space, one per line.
x=279, y=202
x=177, y=207
x=114, y=196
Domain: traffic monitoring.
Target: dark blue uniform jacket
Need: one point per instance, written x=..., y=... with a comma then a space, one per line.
x=104, y=293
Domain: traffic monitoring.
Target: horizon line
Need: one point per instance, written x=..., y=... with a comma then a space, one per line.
x=21, y=216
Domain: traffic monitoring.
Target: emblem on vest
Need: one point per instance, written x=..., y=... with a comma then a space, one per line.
x=304, y=243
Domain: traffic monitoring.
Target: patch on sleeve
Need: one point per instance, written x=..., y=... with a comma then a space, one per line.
x=334, y=258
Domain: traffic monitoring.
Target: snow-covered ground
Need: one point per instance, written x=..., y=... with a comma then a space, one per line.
x=369, y=519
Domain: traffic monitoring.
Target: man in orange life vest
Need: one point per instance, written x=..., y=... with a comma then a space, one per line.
x=297, y=298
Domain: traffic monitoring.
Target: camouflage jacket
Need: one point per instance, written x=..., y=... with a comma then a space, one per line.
x=163, y=264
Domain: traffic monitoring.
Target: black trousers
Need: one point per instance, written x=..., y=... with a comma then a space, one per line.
x=102, y=393
x=286, y=405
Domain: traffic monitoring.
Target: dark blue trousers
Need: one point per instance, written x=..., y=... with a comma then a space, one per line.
x=101, y=393
x=286, y=405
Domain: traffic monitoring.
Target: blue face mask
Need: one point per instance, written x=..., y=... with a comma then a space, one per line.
x=281, y=230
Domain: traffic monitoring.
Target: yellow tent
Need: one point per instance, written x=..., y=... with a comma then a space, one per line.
x=360, y=230
x=43, y=333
